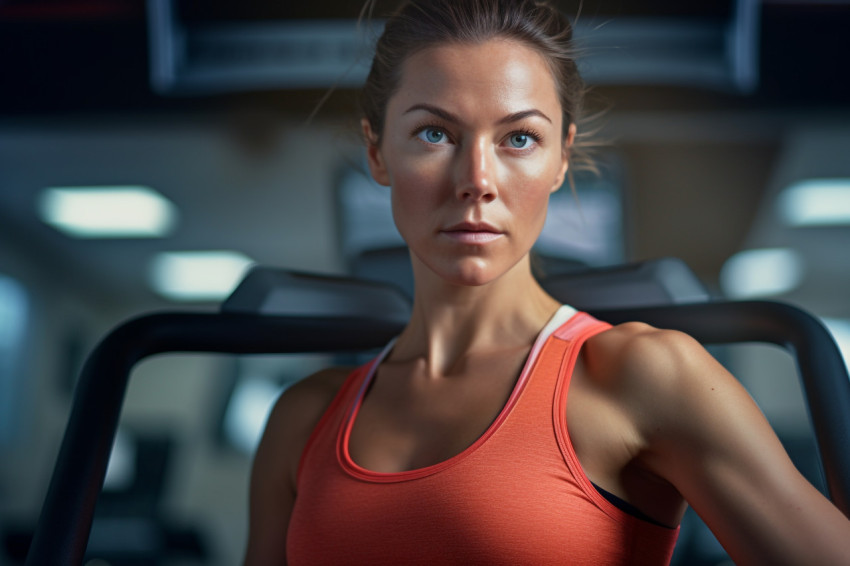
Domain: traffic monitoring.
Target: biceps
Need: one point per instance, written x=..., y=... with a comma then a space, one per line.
x=731, y=468
x=270, y=504
x=270, y=509
x=763, y=515
x=266, y=544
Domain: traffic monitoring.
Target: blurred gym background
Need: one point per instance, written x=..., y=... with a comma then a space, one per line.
x=151, y=152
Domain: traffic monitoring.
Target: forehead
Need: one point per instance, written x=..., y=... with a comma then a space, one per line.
x=498, y=75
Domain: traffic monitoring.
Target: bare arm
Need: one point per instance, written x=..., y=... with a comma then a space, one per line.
x=706, y=436
x=273, y=475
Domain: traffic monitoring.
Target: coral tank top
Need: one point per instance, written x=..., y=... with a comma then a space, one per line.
x=518, y=495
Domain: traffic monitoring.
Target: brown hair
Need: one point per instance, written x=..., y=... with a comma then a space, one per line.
x=419, y=24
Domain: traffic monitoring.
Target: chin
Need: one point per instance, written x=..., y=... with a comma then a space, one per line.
x=470, y=281
x=472, y=272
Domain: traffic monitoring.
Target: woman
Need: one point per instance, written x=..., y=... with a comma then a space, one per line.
x=501, y=427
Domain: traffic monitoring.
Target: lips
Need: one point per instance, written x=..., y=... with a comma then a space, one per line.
x=473, y=233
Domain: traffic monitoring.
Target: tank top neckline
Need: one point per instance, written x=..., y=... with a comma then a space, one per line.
x=563, y=315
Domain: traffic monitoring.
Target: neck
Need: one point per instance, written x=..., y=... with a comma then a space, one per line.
x=450, y=322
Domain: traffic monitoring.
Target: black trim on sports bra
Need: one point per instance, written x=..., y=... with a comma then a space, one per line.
x=627, y=507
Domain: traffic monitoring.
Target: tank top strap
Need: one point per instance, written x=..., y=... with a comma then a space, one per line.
x=546, y=392
x=320, y=443
x=580, y=326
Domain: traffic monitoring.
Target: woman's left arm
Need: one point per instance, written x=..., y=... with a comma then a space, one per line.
x=706, y=436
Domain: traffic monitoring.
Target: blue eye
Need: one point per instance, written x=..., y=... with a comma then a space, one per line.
x=519, y=141
x=431, y=135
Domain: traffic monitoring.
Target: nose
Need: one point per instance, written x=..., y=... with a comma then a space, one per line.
x=475, y=172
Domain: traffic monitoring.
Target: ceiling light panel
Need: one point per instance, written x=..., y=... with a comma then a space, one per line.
x=816, y=202
x=198, y=276
x=762, y=273
x=108, y=212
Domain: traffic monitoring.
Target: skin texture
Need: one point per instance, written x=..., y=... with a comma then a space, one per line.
x=473, y=172
x=472, y=150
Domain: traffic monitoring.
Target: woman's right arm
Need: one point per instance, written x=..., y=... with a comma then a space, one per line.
x=272, y=493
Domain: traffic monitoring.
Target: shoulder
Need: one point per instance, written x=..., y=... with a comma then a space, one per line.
x=699, y=430
x=310, y=395
x=682, y=403
x=665, y=380
x=272, y=485
x=299, y=408
x=294, y=416
x=642, y=355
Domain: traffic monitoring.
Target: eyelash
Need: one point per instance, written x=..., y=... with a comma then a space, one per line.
x=428, y=125
x=534, y=135
x=528, y=132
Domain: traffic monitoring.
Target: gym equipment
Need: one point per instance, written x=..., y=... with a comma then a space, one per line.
x=276, y=311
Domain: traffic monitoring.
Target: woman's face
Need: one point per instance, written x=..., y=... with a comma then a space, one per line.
x=472, y=148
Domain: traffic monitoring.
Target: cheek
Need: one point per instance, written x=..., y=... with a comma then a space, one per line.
x=418, y=179
x=541, y=167
x=529, y=190
x=532, y=211
x=413, y=195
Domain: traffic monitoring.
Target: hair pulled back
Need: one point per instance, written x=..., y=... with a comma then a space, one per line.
x=420, y=24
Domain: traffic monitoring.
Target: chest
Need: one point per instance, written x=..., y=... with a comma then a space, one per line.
x=511, y=499
x=409, y=420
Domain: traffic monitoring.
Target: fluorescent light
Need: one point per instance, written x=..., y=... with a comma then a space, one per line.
x=108, y=212
x=198, y=276
x=816, y=202
x=763, y=272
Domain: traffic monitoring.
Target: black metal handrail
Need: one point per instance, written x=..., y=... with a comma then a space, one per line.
x=66, y=518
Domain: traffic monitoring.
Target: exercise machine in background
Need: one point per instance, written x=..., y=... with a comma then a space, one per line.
x=278, y=312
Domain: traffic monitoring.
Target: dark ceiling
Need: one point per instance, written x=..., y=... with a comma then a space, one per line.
x=75, y=66
x=63, y=57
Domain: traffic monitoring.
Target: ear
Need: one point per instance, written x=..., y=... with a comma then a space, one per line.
x=565, y=157
x=373, y=155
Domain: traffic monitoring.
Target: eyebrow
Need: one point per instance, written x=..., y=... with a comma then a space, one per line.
x=517, y=116
x=449, y=117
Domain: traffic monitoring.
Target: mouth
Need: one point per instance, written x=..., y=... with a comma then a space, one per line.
x=473, y=233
